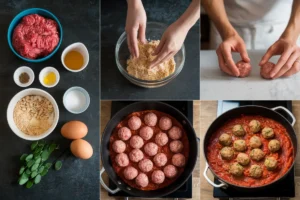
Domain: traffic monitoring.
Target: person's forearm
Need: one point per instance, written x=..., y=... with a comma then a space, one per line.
x=216, y=11
x=134, y=3
x=292, y=30
x=190, y=16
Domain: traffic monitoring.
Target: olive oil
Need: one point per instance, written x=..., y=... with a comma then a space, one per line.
x=74, y=60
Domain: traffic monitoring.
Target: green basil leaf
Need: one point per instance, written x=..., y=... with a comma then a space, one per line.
x=58, y=165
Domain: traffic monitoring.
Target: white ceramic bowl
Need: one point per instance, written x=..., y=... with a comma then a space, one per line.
x=21, y=70
x=83, y=105
x=11, y=107
x=81, y=48
x=44, y=72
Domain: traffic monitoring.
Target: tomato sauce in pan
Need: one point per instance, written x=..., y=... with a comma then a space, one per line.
x=285, y=156
x=165, y=149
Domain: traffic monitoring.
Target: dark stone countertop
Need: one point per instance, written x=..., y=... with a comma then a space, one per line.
x=114, y=85
x=77, y=179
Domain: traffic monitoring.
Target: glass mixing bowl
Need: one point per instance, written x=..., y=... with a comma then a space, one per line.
x=154, y=31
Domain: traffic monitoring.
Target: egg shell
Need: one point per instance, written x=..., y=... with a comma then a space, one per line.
x=81, y=149
x=74, y=130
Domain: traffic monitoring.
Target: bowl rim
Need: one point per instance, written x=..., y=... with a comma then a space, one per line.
x=49, y=131
x=178, y=69
x=52, y=69
x=31, y=74
x=21, y=15
x=86, y=94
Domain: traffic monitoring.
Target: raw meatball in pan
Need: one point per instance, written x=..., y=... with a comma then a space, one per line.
x=146, y=133
x=175, y=133
x=134, y=123
x=122, y=160
x=158, y=177
x=176, y=146
x=151, y=149
x=178, y=160
x=119, y=146
x=130, y=173
x=124, y=133
x=136, y=142
x=150, y=119
x=161, y=139
x=145, y=165
x=136, y=155
x=160, y=159
x=165, y=123
x=170, y=171
x=142, y=180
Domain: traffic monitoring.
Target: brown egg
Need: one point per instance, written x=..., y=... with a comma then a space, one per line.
x=74, y=130
x=81, y=149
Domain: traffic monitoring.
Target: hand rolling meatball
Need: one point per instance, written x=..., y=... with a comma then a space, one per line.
x=225, y=139
x=150, y=119
x=175, y=133
x=176, y=146
x=151, y=149
x=257, y=154
x=274, y=145
x=136, y=155
x=130, y=173
x=238, y=130
x=243, y=159
x=158, y=177
x=255, y=142
x=142, y=180
x=134, y=123
x=145, y=165
x=146, y=133
x=124, y=133
x=122, y=160
x=227, y=153
x=170, y=171
x=161, y=139
x=236, y=169
x=266, y=69
x=244, y=68
x=255, y=171
x=254, y=126
x=119, y=146
x=160, y=159
x=270, y=163
x=165, y=123
x=178, y=160
x=267, y=133
x=240, y=145
x=136, y=142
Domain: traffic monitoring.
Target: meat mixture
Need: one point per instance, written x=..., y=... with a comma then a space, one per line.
x=149, y=150
x=35, y=36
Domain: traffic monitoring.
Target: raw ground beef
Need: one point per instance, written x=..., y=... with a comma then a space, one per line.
x=35, y=36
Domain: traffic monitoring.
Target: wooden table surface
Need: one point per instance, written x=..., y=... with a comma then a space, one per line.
x=208, y=112
x=105, y=117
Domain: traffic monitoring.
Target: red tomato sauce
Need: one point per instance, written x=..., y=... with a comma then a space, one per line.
x=165, y=149
x=285, y=156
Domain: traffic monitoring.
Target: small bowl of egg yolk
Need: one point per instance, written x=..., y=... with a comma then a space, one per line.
x=49, y=77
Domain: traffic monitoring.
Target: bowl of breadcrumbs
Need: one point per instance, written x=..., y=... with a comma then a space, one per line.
x=32, y=114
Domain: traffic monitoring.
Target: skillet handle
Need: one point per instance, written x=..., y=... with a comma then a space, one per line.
x=105, y=186
x=209, y=181
x=288, y=112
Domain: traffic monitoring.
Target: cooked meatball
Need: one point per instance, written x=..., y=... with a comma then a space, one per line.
x=136, y=142
x=244, y=68
x=124, y=133
x=255, y=142
x=178, y=160
x=150, y=119
x=176, y=146
x=175, y=133
x=270, y=163
x=130, y=173
x=161, y=139
x=151, y=149
x=165, y=123
x=142, y=180
x=160, y=159
x=274, y=145
x=239, y=145
x=122, y=160
x=238, y=130
x=257, y=154
x=136, y=155
x=267, y=133
x=145, y=165
x=255, y=171
x=158, y=177
x=254, y=126
x=266, y=69
x=225, y=139
x=170, y=171
x=134, y=123
x=119, y=146
x=243, y=159
x=236, y=169
x=146, y=133
x=227, y=153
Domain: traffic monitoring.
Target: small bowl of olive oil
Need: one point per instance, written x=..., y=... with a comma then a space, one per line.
x=75, y=57
x=49, y=77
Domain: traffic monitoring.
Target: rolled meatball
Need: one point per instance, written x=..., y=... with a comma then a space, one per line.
x=240, y=145
x=145, y=165
x=158, y=177
x=124, y=133
x=176, y=146
x=175, y=133
x=150, y=119
x=178, y=160
x=244, y=68
x=170, y=171
x=119, y=146
x=160, y=159
x=227, y=153
x=243, y=159
x=267, y=133
x=254, y=126
x=266, y=69
x=255, y=171
x=161, y=139
x=122, y=160
x=136, y=155
x=146, y=133
x=274, y=145
x=238, y=130
x=225, y=139
x=270, y=163
x=134, y=123
x=236, y=169
x=130, y=173
x=142, y=180
x=257, y=154
x=255, y=142
x=151, y=149
x=165, y=123
x=136, y=142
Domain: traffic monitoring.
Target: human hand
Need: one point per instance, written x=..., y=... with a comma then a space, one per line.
x=233, y=43
x=135, y=26
x=288, y=63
